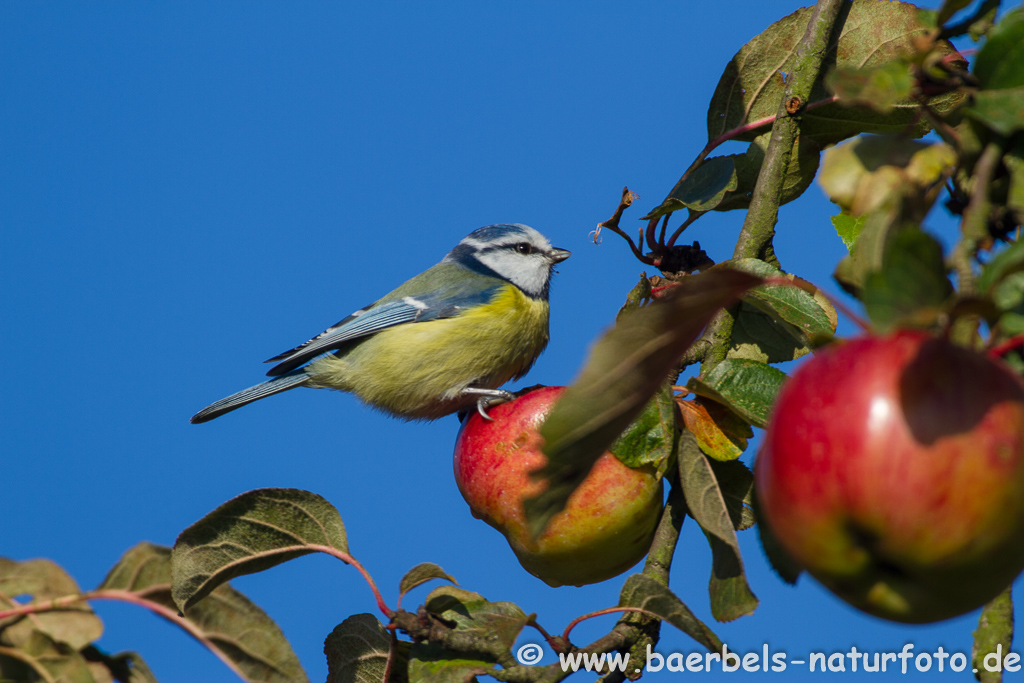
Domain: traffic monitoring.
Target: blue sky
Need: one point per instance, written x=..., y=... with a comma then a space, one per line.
x=191, y=188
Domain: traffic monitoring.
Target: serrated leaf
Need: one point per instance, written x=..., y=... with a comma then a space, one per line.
x=644, y=592
x=702, y=190
x=848, y=228
x=75, y=625
x=747, y=387
x=731, y=596
x=872, y=33
x=787, y=303
x=357, y=652
x=622, y=373
x=911, y=287
x=239, y=630
x=881, y=88
x=736, y=482
x=498, y=624
x=780, y=561
x=420, y=574
x=1000, y=61
x=651, y=438
x=250, y=533
x=719, y=432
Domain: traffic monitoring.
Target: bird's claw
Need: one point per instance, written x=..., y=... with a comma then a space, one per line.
x=497, y=398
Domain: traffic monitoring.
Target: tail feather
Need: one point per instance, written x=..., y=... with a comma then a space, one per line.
x=293, y=379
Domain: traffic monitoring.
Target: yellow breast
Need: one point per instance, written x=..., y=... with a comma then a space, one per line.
x=418, y=370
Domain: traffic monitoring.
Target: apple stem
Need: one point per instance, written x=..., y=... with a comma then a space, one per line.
x=602, y=612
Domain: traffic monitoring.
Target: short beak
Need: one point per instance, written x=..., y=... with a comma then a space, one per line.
x=558, y=255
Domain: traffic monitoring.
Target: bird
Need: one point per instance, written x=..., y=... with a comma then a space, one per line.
x=440, y=342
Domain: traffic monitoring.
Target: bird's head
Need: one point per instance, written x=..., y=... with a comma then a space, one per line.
x=513, y=252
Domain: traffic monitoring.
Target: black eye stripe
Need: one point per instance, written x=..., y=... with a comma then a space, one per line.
x=518, y=247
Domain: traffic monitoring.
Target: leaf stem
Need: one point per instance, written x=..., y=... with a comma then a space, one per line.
x=602, y=612
x=348, y=559
x=135, y=598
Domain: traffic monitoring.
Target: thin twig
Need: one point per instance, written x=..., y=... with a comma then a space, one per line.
x=602, y=612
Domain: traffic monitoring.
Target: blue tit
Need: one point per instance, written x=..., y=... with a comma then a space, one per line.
x=444, y=340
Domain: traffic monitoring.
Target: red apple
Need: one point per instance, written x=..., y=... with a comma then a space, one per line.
x=893, y=470
x=608, y=523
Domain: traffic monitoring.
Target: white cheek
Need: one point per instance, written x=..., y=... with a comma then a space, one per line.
x=529, y=273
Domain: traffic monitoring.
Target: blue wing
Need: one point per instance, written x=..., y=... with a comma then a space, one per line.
x=394, y=309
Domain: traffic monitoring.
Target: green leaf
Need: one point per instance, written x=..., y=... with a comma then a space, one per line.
x=430, y=663
x=498, y=624
x=994, y=635
x=731, y=596
x=125, y=667
x=255, y=531
x=644, y=592
x=803, y=165
x=357, y=652
x=745, y=386
x=702, y=190
x=863, y=175
x=872, y=33
x=848, y=228
x=760, y=337
x=881, y=88
x=420, y=574
x=736, y=482
x=651, y=439
x=624, y=370
x=781, y=562
x=1008, y=294
x=74, y=625
x=719, y=432
x=40, y=658
x=1002, y=265
x=1000, y=110
x=1000, y=61
x=787, y=303
x=912, y=286
x=239, y=630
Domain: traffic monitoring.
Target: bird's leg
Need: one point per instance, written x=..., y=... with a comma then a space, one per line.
x=487, y=398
